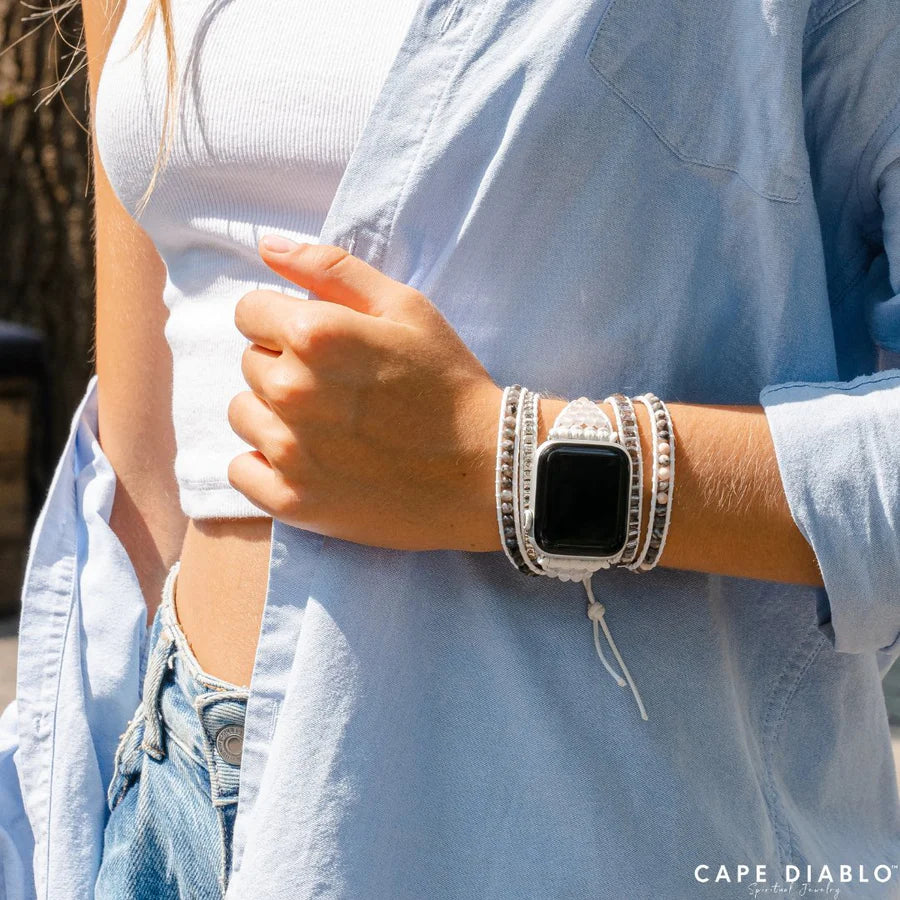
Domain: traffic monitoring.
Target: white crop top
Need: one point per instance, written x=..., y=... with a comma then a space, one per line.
x=274, y=96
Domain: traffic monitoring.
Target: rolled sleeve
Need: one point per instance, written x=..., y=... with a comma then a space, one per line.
x=838, y=443
x=838, y=450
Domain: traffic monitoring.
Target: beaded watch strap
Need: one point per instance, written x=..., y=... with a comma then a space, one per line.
x=526, y=444
x=663, y=477
x=626, y=422
x=506, y=442
x=582, y=419
x=661, y=481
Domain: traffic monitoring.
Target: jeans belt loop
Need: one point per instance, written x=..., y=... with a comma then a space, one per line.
x=158, y=663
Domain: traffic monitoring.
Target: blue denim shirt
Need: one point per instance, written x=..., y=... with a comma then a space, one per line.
x=696, y=198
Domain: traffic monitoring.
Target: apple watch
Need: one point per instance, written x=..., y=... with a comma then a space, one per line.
x=577, y=518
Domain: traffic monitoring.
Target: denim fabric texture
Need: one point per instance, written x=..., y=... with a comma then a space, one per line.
x=174, y=790
x=698, y=199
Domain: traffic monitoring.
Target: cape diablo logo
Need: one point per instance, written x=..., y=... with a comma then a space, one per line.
x=796, y=880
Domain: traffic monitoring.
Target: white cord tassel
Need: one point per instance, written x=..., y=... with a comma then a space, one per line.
x=596, y=612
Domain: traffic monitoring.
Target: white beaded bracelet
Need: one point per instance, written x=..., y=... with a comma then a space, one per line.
x=505, y=484
x=662, y=483
x=664, y=466
x=626, y=424
x=523, y=460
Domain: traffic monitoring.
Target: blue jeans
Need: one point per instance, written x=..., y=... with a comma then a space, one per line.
x=174, y=791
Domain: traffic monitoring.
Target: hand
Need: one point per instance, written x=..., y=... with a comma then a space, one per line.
x=370, y=418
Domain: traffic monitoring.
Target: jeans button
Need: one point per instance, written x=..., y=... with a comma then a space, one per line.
x=230, y=743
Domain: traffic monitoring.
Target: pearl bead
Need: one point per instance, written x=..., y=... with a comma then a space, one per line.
x=663, y=473
x=662, y=498
x=664, y=447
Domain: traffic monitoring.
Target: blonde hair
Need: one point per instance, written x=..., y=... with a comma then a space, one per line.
x=57, y=11
x=164, y=8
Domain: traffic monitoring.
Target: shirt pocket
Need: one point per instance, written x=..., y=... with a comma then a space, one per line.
x=717, y=81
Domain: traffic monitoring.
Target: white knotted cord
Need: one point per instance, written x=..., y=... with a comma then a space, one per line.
x=596, y=612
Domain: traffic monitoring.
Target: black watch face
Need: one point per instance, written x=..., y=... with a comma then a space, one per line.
x=581, y=499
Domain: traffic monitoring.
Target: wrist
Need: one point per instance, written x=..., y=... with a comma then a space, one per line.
x=476, y=516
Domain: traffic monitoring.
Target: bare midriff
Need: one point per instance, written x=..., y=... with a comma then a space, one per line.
x=220, y=593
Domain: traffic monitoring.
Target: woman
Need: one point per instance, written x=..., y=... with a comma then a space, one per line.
x=582, y=198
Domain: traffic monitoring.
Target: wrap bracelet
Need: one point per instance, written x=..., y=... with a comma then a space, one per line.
x=626, y=423
x=662, y=482
x=516, y=446
x=504, y=483
x=664, y=478
x=523, y=461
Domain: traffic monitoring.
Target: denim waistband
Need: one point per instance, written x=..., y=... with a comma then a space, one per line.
x=203, y=714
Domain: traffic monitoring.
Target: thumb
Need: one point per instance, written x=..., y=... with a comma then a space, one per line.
x=334, y=275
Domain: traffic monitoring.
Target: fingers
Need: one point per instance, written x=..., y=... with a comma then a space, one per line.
x=278, y=322
x=251, y=474
x=267, y=317
x=337, y=276
x=255, y=422
x=280, y=380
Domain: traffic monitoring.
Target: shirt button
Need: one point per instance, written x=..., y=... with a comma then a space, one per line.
x=230, y=743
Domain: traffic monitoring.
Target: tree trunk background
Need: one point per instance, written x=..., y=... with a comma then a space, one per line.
x=46, y=216
x=47, y=271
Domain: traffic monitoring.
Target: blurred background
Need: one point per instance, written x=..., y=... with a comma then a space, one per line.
x=47, y=284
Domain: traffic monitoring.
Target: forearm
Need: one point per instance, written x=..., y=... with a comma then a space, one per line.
x=136, y=436
x=373, y=422
x=730, y=515
x=134, y=369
